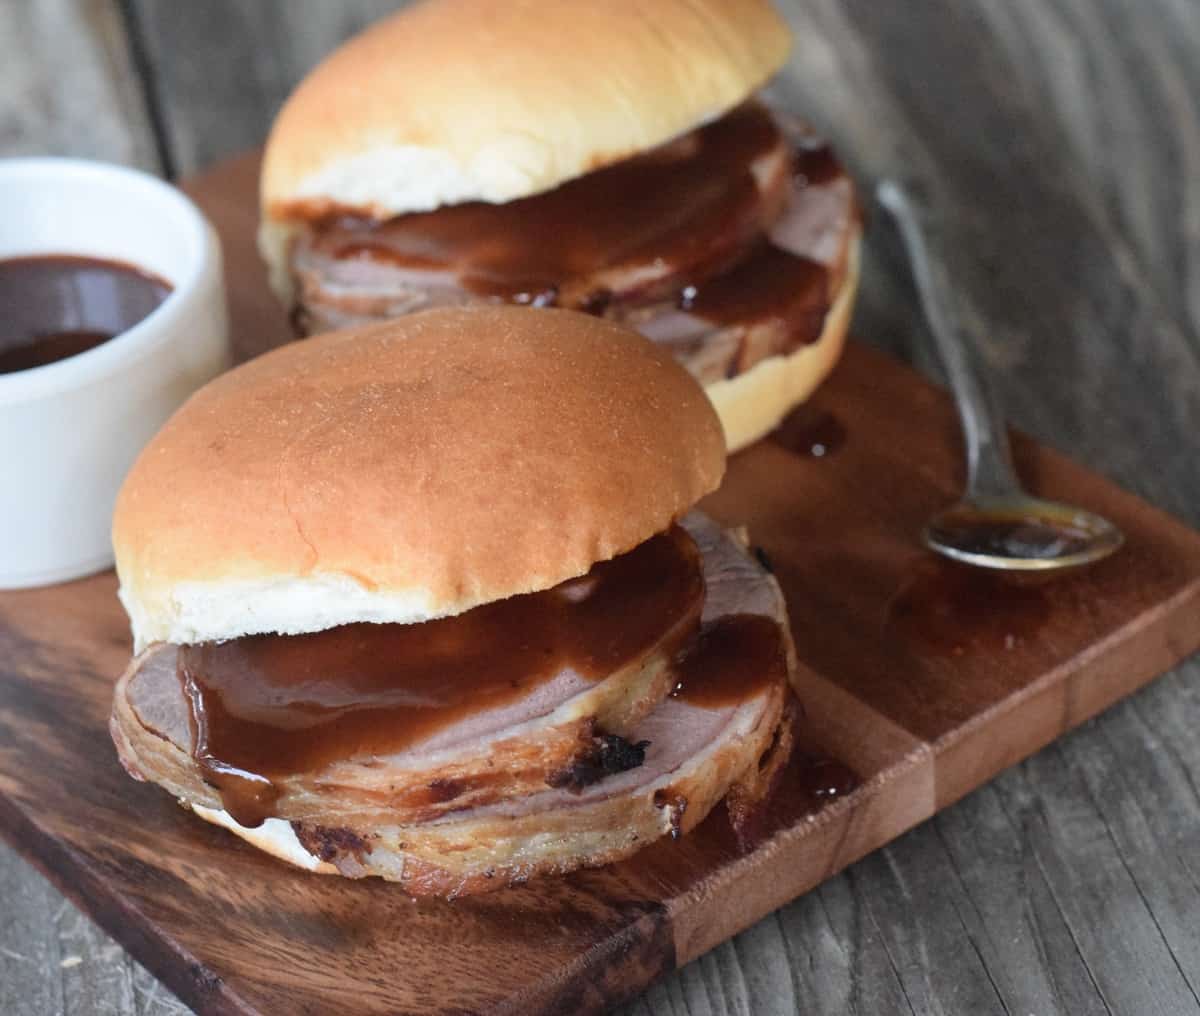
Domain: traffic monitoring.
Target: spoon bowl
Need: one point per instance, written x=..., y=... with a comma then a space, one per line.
x=1021, y=533
x=996, y=524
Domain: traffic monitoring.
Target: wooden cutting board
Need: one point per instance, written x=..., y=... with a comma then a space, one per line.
x=923, y=680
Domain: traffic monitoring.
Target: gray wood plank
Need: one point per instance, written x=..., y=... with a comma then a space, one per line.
x=67, y=78
x=222, y=69
x=1062, y=142
x=30, y=971
x=1056, y=288
x=1111, y=922
x=53, y=959
x=68, y=85
x=1027, y=948
x=1127, y=90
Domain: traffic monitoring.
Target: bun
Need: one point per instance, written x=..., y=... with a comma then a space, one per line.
x=752, y=404
x=275, y=836
x=407, y=471
x=462, y=100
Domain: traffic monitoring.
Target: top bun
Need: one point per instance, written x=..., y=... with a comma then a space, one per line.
x=407, y=471
x=462, y=100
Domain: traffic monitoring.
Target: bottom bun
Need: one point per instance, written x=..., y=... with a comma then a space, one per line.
x=275, y=837
x=752, y=404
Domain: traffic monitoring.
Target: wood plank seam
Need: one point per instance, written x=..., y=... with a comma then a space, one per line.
x=147, y=78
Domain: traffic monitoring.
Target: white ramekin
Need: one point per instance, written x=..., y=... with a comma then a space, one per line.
x=70, y=430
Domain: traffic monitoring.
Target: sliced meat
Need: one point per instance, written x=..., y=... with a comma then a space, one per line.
x=696, y=755
x=513, y=751
x=634, y=231
x=775, y=260
x=150, y=729
x=559, y=730
x=549, y=737
x=700, y=747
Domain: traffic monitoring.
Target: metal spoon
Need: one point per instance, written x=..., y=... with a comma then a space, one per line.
x=996, y=524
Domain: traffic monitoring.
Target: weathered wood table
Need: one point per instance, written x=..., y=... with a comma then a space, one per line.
x=1061, y=139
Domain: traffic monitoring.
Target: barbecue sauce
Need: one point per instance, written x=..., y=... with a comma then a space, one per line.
x=821, y=779
x=768, y=283
x=691, y=211
x=58, y=305
x=266, y=707
x=814, y=162
x=1008, y=535
x=731, y=660
x=811, y=432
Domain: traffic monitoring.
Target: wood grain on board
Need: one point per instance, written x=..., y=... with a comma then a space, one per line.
x=1068, y=884
x=921, y=678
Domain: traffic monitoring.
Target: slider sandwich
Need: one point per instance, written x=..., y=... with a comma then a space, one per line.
x=609, y=156
x=428, y=600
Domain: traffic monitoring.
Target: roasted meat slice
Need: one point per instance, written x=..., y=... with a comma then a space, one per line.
x=767, y=249
x=561, y=731
x=696, y=754
x=727, y=729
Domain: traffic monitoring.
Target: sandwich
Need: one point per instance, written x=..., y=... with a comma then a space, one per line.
x=429, y=600
x=609, y=156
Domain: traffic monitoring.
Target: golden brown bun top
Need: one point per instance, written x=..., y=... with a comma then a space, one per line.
x=408, y=470
x=457, y=100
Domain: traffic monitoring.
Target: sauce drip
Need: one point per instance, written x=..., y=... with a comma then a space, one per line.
x=57, y=305
x=730, y=660
x=270, y=706
x=1011, y=536
x=768, y=283
x=815, y=162
x=814, y=433
x=822, y=779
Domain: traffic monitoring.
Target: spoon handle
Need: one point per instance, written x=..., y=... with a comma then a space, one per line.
x=990, y=470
